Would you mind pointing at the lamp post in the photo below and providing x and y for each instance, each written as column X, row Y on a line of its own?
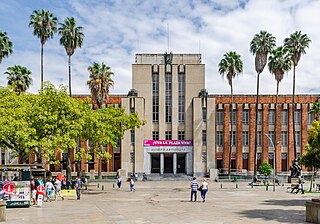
column 274, row 162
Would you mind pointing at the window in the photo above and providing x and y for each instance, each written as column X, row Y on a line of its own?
column 233, row 117
column 310, row 118
column 271, row 117
column 245, row 138
column 219, row 138
column 284, row 117
column 232, row 138
column 298, row 140
column 168, row 99
column 132, row 136
column 181, row 80
column 168, row 135
column 284, row 138
column 220, row 116
column 155, row 98
column 181, row 135
column 204, row 115
column 245, row 116
column 204, row 137
column 259, row 138
column 271, row 135
column 297, row 117
column 155, row 135
column 259, row 117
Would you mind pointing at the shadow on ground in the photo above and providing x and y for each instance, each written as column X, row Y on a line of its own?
column 287, row 202
column 279, row 215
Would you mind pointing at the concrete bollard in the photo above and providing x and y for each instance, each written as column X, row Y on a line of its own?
column 98, row 185
column 221, row 186
column 267, row 187
column 3, row 205
column 236, row 185
column 113, row 185
column 102, row 187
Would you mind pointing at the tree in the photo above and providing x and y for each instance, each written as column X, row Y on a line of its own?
column 5, row 46
column 279, row 63
column 231, row 66
column 315, row 110
column 265, row 169
column 261, row 45
column 99, row 82
column 297, row 44
column 44, row 26
column 19, row 78
column 71, row 38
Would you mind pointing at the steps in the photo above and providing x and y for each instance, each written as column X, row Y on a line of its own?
column 168, row 177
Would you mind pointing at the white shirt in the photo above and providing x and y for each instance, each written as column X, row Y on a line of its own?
column 205, row 185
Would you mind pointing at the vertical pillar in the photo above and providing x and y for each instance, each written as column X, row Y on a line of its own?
column 265, row 130
column 174, row 163
column 226, row 133
column 239, row 137
column 304, row 127
column 252, row 136
column 290, row 136
column 161, row 163
column 277, row 143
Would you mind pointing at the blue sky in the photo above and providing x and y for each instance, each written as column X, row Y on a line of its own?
column 116, row 30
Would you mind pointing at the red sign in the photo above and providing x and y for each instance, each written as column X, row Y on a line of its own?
column 9, row 188
column 167, row 143
column 40, row 189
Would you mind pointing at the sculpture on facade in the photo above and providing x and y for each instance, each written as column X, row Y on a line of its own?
column 295, row 169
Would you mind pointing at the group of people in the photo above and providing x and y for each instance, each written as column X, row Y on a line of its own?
column 195, row 187
column 131, row 180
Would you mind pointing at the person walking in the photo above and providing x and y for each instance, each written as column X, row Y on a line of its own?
column 119, row 182
column 194, row 188
column 204, row 189
column 78, row 187
column 33, row 190
column 132, row 185
column 49, row 189
column 300, row 185
column 57, row 185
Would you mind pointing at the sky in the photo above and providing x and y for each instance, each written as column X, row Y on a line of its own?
column 116, row 30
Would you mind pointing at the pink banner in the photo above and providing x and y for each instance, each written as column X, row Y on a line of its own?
column 168, row 143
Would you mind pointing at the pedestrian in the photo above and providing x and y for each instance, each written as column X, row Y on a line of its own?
column 119, row 182
column 78, row 187
column 194, row 188
column 33, row 190
column 300, row 185
column 132, row 185
column 49, row 189
column 204, row 189
column 57, row 185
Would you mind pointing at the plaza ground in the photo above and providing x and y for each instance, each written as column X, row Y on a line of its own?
column 169, row 202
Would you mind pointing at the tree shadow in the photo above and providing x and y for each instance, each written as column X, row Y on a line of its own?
column 286, row 202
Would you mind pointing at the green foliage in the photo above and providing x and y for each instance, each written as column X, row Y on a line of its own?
column 265, row 169
column 5, row 46
column 230, row 65
column 280, row 62
column 18, row 78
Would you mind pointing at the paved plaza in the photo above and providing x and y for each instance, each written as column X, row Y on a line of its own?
column 169, row 202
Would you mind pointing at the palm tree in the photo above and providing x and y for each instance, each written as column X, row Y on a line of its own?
column 261, row 45
column 231, row 66
column 71, row 38
column 44, row 26
column 297, row 44
column 5, row 46
column 19, row 78
column 99, row 82
column 279, row 63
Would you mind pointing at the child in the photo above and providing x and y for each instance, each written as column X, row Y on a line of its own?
column 132, row 185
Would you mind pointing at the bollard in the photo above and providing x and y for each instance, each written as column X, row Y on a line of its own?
column 267, row 186
column 236, row 185
column 252, row 185
column 113, row 185
column 221, row 186
column 98, row 185
column 3, row 211
column 313, row 185
column 102, row 187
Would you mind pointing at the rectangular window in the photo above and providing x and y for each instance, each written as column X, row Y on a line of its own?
column 168, row 99
column 219, row 138
column 220, row 116
column 204, row 115
column 284, row 117
column 284, row 138
column 259, row 138
column 233, row 117
column 259, row 117
column 298, row 138
column 132, row 136
column 155, row 98
column 271, row 117
column 233, row 138
column 155, row 135
column 310, row 118
column 181, row 135
column 168, row 135
column 271, row 135
column 204, row 137
column 245, row 138
column 245, row 116
column 297, row 117
column 181, row 80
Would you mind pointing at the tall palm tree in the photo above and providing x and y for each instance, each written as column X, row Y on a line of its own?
column 297, row 44
column 19, row 78
column 44, row 26
column 261, row 45
column 99, row 82
column 279, row 63
column 230, row 65
column 71, row 38
column 5, row 46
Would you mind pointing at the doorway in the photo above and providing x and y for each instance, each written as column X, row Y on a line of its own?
column 181, row 163
column 168, row 163
column 155, row 163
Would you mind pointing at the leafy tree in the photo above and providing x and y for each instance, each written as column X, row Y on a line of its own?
column 71, row 38
column 265, row 169
column 19, row 78
column 231, row 66
column 297, row 44
column 99, row 82
column 315, row 110
column 261, row 45
column 44, row 26
column 5, row 45
column 279, row 63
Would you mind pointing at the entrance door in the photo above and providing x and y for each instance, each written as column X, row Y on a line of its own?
column 155, row 163
column 168, row 163
column 181, row 163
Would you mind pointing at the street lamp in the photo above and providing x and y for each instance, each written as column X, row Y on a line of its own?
column 274, row 162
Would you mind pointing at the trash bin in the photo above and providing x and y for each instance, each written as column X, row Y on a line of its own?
column 3, row 205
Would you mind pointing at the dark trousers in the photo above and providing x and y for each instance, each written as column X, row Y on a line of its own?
column 78, row 193
column 193, row 193
column 203, row 193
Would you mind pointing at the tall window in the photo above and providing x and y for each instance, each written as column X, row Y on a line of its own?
column 168, row 103
column 233, row 117
column 245, row 138
column 168, row 135
column 220, row 116
column 271, row 135
column 310, row 118
column 204, row 137
column 271, row 117
column 155, row 135
column 181, row 135
column 284, row 138
column 132, row 136
column 245, row 116
column 259, row 138
column 298, row 138
column 284, row 117
column 155, row 98
column 219, row 138
column 259, row 117
column 232, row 138
column 204, row 114
column 297, row 117
column 181, row 80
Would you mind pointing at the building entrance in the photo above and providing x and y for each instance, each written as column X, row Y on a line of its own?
column 155, row 163
column 181, row 163
column 168, row 163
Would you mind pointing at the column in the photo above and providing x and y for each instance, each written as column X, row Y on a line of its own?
column 161, row 163
column 174, row 163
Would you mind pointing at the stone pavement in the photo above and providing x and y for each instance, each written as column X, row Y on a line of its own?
column 168, row 202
